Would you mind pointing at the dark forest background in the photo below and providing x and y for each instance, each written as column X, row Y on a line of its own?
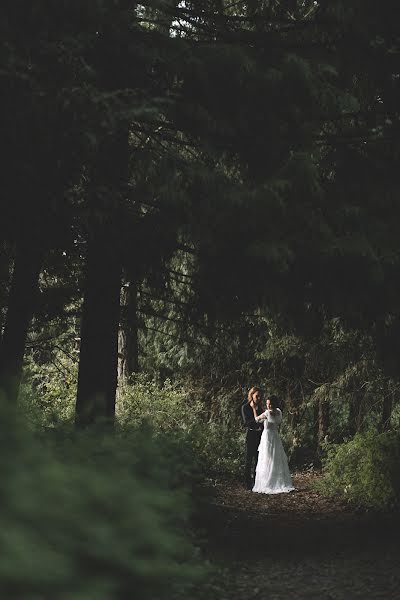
column 196, row 197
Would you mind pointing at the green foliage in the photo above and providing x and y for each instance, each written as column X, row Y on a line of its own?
column 219, row 449
column 216, row 439
column 48, row 391
column 364, row 471
column 172, row 411
column 166, row 406
column 93, row 515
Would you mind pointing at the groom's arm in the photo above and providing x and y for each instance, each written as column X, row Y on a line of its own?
column 247, row 415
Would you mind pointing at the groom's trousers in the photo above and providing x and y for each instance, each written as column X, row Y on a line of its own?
column 253, row 438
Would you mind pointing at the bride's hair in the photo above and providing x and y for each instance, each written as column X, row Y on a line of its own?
column 251, row 392
column 274, row 400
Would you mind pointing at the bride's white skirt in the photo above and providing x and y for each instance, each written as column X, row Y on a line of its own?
column 272, row 474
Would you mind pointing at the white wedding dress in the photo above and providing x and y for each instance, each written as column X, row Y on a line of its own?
column 272, row 473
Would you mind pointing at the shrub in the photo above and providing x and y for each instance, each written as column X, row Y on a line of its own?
column 93, row 516
column 167, row 406
column 217, row 443
column 168, row 409
column 364, row 471
column 48, row 391
column 219, row 450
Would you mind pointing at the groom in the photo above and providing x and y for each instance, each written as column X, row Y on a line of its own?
column 253, row 433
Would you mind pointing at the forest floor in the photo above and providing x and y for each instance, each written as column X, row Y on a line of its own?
column 295, row 546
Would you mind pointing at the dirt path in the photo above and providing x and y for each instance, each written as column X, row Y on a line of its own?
column 297, row 545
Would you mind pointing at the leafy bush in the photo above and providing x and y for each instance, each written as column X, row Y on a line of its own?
column 169, row 409
column 48, row 391
column 219, row 450
column 166, row 406
column 93, row 515
column 217, row 442
column 364, row 471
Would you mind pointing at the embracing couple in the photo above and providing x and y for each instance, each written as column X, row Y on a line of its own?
column 266, row 470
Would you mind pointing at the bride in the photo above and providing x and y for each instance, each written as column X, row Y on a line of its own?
column 272, row 473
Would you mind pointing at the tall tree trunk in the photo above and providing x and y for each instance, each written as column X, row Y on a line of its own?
column 98, row 362
column 97, row 378
column 128, row 340
column 21, row 306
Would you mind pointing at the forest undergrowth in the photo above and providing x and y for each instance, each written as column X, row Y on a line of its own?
column 163, row 493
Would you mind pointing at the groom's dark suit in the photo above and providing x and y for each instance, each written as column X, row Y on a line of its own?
column 253, row 436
